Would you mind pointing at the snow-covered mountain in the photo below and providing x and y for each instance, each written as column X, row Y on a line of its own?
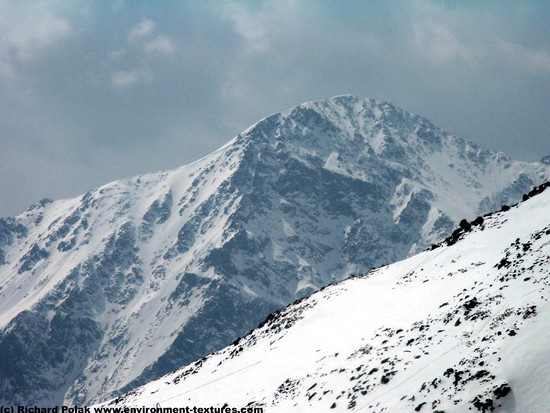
column 462, row 327
column 104, row 292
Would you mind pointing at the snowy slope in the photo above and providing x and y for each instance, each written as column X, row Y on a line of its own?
column 461, row 327
column 104, row 292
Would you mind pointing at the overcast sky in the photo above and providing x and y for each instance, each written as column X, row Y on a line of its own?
column 93, row 91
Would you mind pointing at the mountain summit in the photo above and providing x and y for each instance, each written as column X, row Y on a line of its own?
column 101, row 293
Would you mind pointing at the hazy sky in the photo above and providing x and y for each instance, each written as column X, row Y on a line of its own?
column 92, row 91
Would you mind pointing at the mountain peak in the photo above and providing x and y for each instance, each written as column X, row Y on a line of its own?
column 343, row 118
column 185, row 261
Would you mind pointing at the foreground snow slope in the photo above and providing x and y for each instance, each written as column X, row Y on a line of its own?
column 104, row 292
column 460, row 327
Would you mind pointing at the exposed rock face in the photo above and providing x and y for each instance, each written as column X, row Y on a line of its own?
column 103, row 292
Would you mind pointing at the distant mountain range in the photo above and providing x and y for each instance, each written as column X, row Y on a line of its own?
column 104, row 292
column 462, row 327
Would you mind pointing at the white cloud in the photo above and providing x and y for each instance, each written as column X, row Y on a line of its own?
column 126, row 78
column 257, row 25
column 250, row 27
column 117, row 54
column 25, row 33
column 6, row 69
column 439, row 44
column 525, row 59
column 140, row 39
column 141, row 30
column 160, row 44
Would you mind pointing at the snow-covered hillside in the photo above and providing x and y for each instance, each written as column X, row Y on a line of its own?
column 462, row 327
column 101, row 293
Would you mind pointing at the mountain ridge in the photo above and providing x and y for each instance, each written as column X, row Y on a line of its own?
column 158, row 270
column 473, row 339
